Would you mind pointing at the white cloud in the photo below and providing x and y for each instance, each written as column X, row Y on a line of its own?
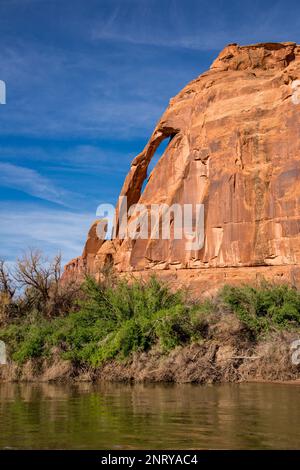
column 193, row 24
column 70, row 93
column 31, row 182
column 204, row 42
column 52, row 231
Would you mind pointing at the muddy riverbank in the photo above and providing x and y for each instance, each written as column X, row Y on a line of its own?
column 227, row 353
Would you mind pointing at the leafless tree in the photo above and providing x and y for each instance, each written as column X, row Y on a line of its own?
column 7, row 292
column 36, row 272
column 7, row 286
column 44, row 289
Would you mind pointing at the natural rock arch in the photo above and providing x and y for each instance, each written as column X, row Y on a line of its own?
column 235, row 150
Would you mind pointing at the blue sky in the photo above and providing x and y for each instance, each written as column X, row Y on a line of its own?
column 86, row 82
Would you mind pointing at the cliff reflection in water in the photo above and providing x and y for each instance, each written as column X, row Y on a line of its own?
column 113, row 416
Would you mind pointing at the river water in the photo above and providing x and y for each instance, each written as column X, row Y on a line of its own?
column 113, row 416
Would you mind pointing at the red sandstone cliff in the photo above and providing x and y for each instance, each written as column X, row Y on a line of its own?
column 235, row 147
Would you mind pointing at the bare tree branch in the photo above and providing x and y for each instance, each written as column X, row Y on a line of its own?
column 35, row 271
column 6, row 282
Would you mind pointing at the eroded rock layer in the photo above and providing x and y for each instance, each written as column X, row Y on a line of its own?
column 234, row 146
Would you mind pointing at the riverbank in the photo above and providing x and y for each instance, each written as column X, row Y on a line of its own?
column 144, row 331
column 227, row 353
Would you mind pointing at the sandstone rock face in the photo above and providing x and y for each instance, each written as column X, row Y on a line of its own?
column 234, row 146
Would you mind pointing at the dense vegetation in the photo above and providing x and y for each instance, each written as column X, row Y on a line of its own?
column 112, row 321
column 98, row 321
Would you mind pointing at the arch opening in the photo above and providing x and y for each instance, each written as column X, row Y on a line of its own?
column 159, row 152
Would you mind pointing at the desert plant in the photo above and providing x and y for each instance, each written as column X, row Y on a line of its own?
column 110, row 319
column 265, row 307
column 113, row 321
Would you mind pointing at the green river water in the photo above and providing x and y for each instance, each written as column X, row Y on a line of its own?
column 113, row 416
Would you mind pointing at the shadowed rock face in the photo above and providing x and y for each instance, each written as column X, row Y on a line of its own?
column 235, row 147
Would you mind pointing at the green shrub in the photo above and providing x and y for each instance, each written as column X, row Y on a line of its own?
column 265, row 307
column 116, row 319
column 26, row 341
column 113, row 322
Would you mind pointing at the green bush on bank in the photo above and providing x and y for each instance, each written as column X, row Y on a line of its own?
column 113, row 322
column 265, row 307
column 116, row 319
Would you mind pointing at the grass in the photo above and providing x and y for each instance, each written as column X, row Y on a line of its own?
column 112, row 322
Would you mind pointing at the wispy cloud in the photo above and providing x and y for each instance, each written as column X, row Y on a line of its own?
column 193, row 24
column 53, row 231
column 69, row 94
column 31, row 182
column 82, row 157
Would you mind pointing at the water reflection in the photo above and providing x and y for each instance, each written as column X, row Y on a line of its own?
column 86, row 416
